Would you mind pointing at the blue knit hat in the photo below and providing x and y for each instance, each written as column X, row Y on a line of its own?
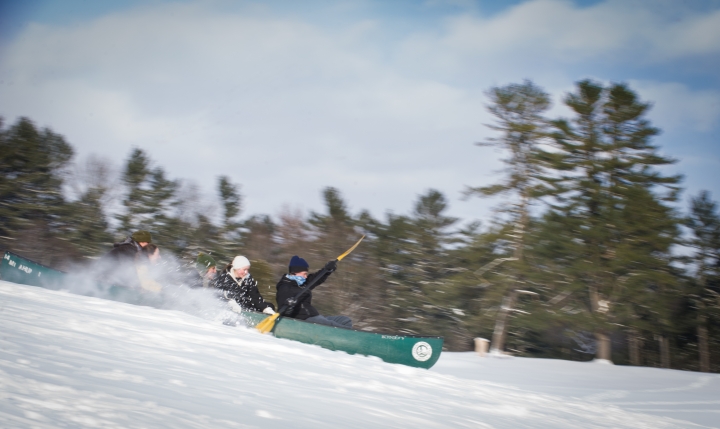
column 298, row 264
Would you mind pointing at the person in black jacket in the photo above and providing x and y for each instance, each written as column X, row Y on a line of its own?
column 128, row 249
column 290, row 286
column 118, row 266
column 241, row 288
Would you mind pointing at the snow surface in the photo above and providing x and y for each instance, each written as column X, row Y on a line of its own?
column 74, row 361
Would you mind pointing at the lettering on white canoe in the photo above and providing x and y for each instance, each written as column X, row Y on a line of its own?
column 421, row 351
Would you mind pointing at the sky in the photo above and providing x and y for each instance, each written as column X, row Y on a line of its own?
column 382, row 100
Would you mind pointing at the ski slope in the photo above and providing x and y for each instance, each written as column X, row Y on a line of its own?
column 73, row 361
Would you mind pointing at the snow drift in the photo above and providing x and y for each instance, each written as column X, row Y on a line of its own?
column 76, row 361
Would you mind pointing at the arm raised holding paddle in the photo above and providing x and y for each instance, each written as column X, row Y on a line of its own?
column 294, row 294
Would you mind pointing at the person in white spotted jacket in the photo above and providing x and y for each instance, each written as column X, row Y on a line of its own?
column 240, row 288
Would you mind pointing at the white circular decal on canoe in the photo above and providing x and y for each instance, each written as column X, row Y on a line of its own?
column 422, row 351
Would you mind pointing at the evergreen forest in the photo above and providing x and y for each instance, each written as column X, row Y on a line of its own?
column 591, row 253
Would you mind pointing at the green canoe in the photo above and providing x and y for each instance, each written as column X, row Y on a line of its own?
column 14, row 268
column 421, row 352
column 416, row 351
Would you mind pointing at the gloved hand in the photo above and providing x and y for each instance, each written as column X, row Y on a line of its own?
column 291, row 302
column 331, row 266
column 269, row 311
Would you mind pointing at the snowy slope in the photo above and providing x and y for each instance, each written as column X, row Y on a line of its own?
column 74, row 361
column 679, row 394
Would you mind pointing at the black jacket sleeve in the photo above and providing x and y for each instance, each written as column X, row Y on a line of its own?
column 320, row 281
column 125, row 251
column 251, row 296
column 244, row 292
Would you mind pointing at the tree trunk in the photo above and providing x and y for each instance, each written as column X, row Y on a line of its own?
column 635, row 343
column 500, row 332
column 603, row 340
column 594, row 299
column 664, row 351
column 521, row 226
column 703, row 344
column 603, row 346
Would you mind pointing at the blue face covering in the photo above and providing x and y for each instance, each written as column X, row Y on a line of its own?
column 299, row 279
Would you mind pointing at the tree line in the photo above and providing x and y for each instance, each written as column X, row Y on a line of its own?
column 588, row 255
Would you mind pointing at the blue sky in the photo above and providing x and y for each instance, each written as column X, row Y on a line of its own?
column 381, row 99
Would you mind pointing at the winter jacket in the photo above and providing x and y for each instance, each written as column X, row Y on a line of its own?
column 243, row 291
column 287, row 288
column 125, row 251
column 117, row 267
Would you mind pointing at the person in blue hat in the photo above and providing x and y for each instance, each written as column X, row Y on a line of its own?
column 292, row 283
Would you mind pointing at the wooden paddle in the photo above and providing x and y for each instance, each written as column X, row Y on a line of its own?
column 268, row 324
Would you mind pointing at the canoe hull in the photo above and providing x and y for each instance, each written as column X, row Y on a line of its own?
column 420, row 352
column 14, row 268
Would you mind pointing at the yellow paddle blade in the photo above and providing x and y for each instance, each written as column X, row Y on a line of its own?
column 340, row 258
column 266, row 325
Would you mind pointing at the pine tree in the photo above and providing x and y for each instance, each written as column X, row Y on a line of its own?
column 518, row 110
column 32, row 164
column 413, row 252
column 259, row 239
column 150, row 201
column 203, row 236
column 90, row 230
column 91, row 186
column 389, row 242
column 334, row 231
column 606, row 159
column 472, row 295
column 704, row 221
column 231, row 200
column 647, row 287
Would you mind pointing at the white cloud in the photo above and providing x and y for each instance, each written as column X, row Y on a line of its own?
column 676, row 106
column 283, row 107
column 696, row 36
column 540, row 33
column 286, row 107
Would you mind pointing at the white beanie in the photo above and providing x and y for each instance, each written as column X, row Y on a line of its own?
column 239, row 262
